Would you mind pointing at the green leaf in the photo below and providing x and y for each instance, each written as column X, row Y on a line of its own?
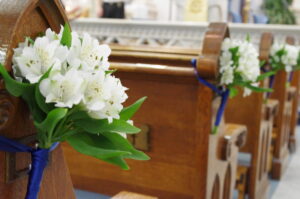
column 119, row 161
column 99, row 126
column 51, row 121
column 123, row 144
column 37, row 114
column 14, row 87
column 262, row 63
column 233, row 92
column 258, row 89
column 31, row 41
column 66, row 39
column 129, row 111
column 108, row 72
column 98, row 147
column 265, row 75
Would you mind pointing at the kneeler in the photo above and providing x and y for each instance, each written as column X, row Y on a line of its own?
column 18, row 19
column 187, row 161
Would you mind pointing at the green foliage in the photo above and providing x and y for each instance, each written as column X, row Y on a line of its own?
column 94, row 137
column 66, row 39
column 278, row 11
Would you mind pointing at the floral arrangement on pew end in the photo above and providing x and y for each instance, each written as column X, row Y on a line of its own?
column 239, row 67
column 285, row 57
column 73, row 96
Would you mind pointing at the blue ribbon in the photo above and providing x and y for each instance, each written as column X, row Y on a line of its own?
column 224, row 93
column 271, row 84
column 291, row 76
column 39, row 158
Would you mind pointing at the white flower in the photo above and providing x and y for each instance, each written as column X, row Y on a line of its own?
column 227, row 75
column 104, row 96
column 86, row 53
column 35, row 60
column 288, row 58
column 63, row 90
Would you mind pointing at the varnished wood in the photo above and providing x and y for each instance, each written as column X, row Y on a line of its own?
column 256, row 114
column 179, row 112
column 294, row 120
column 282, row 124
column 129, row 195
column 19, row 19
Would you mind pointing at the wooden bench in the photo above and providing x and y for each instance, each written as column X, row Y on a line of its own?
column 252, row 111
column 294, row 118
column 282, row 124
column 187, row 161
column 19, row 19
column 257, row 113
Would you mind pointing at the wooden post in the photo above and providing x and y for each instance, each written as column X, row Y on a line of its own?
column 19, row 19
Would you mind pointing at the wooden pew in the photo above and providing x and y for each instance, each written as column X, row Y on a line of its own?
column 282, row 124
column 19, row 19
column 187, row 161
column 252, row 111
column 294, row 120
column 257, row 113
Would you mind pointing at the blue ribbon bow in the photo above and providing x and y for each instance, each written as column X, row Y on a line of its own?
column 224, row 93
column 39, row 158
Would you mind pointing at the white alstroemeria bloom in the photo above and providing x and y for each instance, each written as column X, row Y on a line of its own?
column 248, row 66
column 97, row 91
column 86, row 53
column 51, row 35
column 63, row 90
column 227, row 44
column 35, row 60
column 113, row 104
column 227, row 74
column 289, row 59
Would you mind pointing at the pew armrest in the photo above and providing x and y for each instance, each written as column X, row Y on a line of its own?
column 291, row 92
column 129, row 195
column 272, row 108
column 235, row 135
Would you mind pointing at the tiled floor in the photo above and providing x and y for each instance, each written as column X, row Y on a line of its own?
column 288, row 187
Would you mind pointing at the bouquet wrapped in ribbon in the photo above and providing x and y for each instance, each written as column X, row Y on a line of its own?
column 239, row 67
column 73, row 96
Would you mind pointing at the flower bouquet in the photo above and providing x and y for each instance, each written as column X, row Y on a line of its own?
column 73, row 96
column 239, row 67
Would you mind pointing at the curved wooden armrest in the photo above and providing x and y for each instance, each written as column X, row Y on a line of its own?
column 129, row 195
column 237, row 133
column 234, row 135
column 272, row 108
column 153, row 69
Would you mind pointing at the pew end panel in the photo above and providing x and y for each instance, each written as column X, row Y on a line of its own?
column 19, row 19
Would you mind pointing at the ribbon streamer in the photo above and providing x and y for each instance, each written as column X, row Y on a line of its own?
column 224, row 93
column 39, row 158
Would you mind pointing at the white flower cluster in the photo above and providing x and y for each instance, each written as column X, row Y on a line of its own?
column 247, row 64
column 79, row 74
column 288, row 58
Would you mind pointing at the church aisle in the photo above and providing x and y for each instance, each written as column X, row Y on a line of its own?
column 288, row 187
